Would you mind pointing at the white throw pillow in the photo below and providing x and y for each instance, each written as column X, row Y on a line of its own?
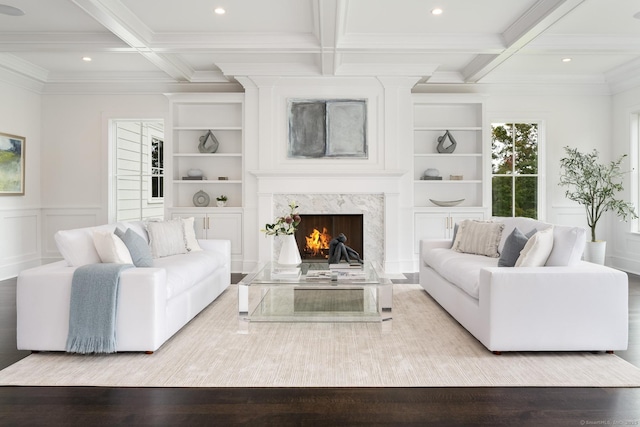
column 478, row 237
column 166, row 238
column 111, row 248
column 537, row 249
column 190, row 235
column 77, row 247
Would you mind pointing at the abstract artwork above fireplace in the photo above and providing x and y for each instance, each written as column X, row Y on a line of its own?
column 330, row 128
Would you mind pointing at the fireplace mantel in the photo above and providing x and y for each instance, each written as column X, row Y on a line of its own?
column 333, row 173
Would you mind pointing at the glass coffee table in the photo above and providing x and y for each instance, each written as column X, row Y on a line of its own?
column 274, row 293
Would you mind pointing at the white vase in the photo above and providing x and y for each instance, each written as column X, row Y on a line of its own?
column 289, row 253
column 221, row 203
column 595, row 252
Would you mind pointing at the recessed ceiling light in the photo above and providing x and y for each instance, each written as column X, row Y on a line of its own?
column 566, row 59
column 86, row 58
column 219, row 11
column 436, row 11
column 10, row 10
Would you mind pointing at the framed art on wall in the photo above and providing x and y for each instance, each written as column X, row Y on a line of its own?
column 12, row 153
column 334, row 128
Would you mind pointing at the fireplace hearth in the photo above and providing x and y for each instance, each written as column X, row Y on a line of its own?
column 315, row 232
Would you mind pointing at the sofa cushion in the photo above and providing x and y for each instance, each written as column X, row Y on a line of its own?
column 190, row 234
column 166, row 238
column 537, row 249
column 462, row 270
column 568, row 241
column 137, row 246
column 568, row 245
column 77, row 247
column 111, row 248
column 185, row 270
column 513, row 245
column 478, row 237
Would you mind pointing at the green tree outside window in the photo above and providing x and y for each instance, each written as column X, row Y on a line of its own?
column 514, row 164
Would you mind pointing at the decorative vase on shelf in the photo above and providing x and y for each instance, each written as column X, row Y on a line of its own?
column 289, row 253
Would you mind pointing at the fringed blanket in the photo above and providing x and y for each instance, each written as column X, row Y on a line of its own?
column 94, row 304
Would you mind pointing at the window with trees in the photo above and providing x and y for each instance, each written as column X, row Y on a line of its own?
column 514, row 164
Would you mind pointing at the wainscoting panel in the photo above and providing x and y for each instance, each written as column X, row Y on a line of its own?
column 20, row 243
column 55, row 219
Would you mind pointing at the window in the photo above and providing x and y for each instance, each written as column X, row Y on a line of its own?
column 515, row 174
column 157, row 169
column 137, row 169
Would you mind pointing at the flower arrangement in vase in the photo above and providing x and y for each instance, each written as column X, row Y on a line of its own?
column 286, row 226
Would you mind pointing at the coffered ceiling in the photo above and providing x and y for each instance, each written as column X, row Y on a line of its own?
column 142, row 42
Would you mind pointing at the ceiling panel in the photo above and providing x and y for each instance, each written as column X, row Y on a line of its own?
column 48, row 16
column 414, row 16
column 244, row 16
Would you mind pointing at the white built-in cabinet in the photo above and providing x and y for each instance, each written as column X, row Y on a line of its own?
column 192, row 115
column 463, row 117
column 216, row 225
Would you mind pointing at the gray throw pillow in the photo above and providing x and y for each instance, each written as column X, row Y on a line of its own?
column 513, row 245
column 138, row 248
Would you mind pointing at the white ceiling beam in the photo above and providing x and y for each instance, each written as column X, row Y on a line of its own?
column 118, row 19
column 536, row 20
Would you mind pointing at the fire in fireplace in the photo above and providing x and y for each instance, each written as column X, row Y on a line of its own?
column 315, row 232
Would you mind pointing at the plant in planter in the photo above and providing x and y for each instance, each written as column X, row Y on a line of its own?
column 595, row 186
column 221, row 200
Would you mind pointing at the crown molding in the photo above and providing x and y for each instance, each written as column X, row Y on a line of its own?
column 22, row 67
column 624, row 77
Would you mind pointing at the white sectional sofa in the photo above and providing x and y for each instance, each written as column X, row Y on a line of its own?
column 154, row 302
column 564, row 305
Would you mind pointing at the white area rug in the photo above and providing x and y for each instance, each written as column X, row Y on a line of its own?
column 425, row 347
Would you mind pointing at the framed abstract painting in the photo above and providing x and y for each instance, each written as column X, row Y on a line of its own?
column 329, row 128
column 12, row 153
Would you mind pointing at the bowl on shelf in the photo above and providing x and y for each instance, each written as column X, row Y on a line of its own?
column 446, row 203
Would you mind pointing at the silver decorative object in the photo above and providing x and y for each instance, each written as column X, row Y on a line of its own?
column 208, row 143
column 201, row 199
column 448, row 148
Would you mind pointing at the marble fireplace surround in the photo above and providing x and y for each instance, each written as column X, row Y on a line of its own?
column 373, row 195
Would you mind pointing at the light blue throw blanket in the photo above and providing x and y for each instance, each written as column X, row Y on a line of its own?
column 94, row 304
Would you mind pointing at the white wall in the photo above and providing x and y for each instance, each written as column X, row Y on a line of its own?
column 20, row 114
column 623, row 247
column 74, row 153
column 69, row 134
column 577, row 121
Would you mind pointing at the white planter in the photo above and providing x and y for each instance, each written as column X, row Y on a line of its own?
column 289, row 254
column 595, row 252
column 221, row 203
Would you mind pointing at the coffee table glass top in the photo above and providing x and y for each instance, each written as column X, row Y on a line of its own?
column 266, row 296
column 273, row 273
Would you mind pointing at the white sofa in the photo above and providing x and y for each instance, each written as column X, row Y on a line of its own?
column 565, row 305
column 153, row 303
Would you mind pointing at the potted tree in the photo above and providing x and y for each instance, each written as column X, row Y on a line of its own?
column 594, row 185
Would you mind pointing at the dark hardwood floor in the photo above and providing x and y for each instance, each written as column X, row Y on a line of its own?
column 82, row 406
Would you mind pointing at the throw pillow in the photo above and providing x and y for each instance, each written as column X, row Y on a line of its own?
column 166, row 238
column 537, row 249
column 478, row 237
column 513, row 245
column 110, row 248
column 190, row 235
column 137, row 246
